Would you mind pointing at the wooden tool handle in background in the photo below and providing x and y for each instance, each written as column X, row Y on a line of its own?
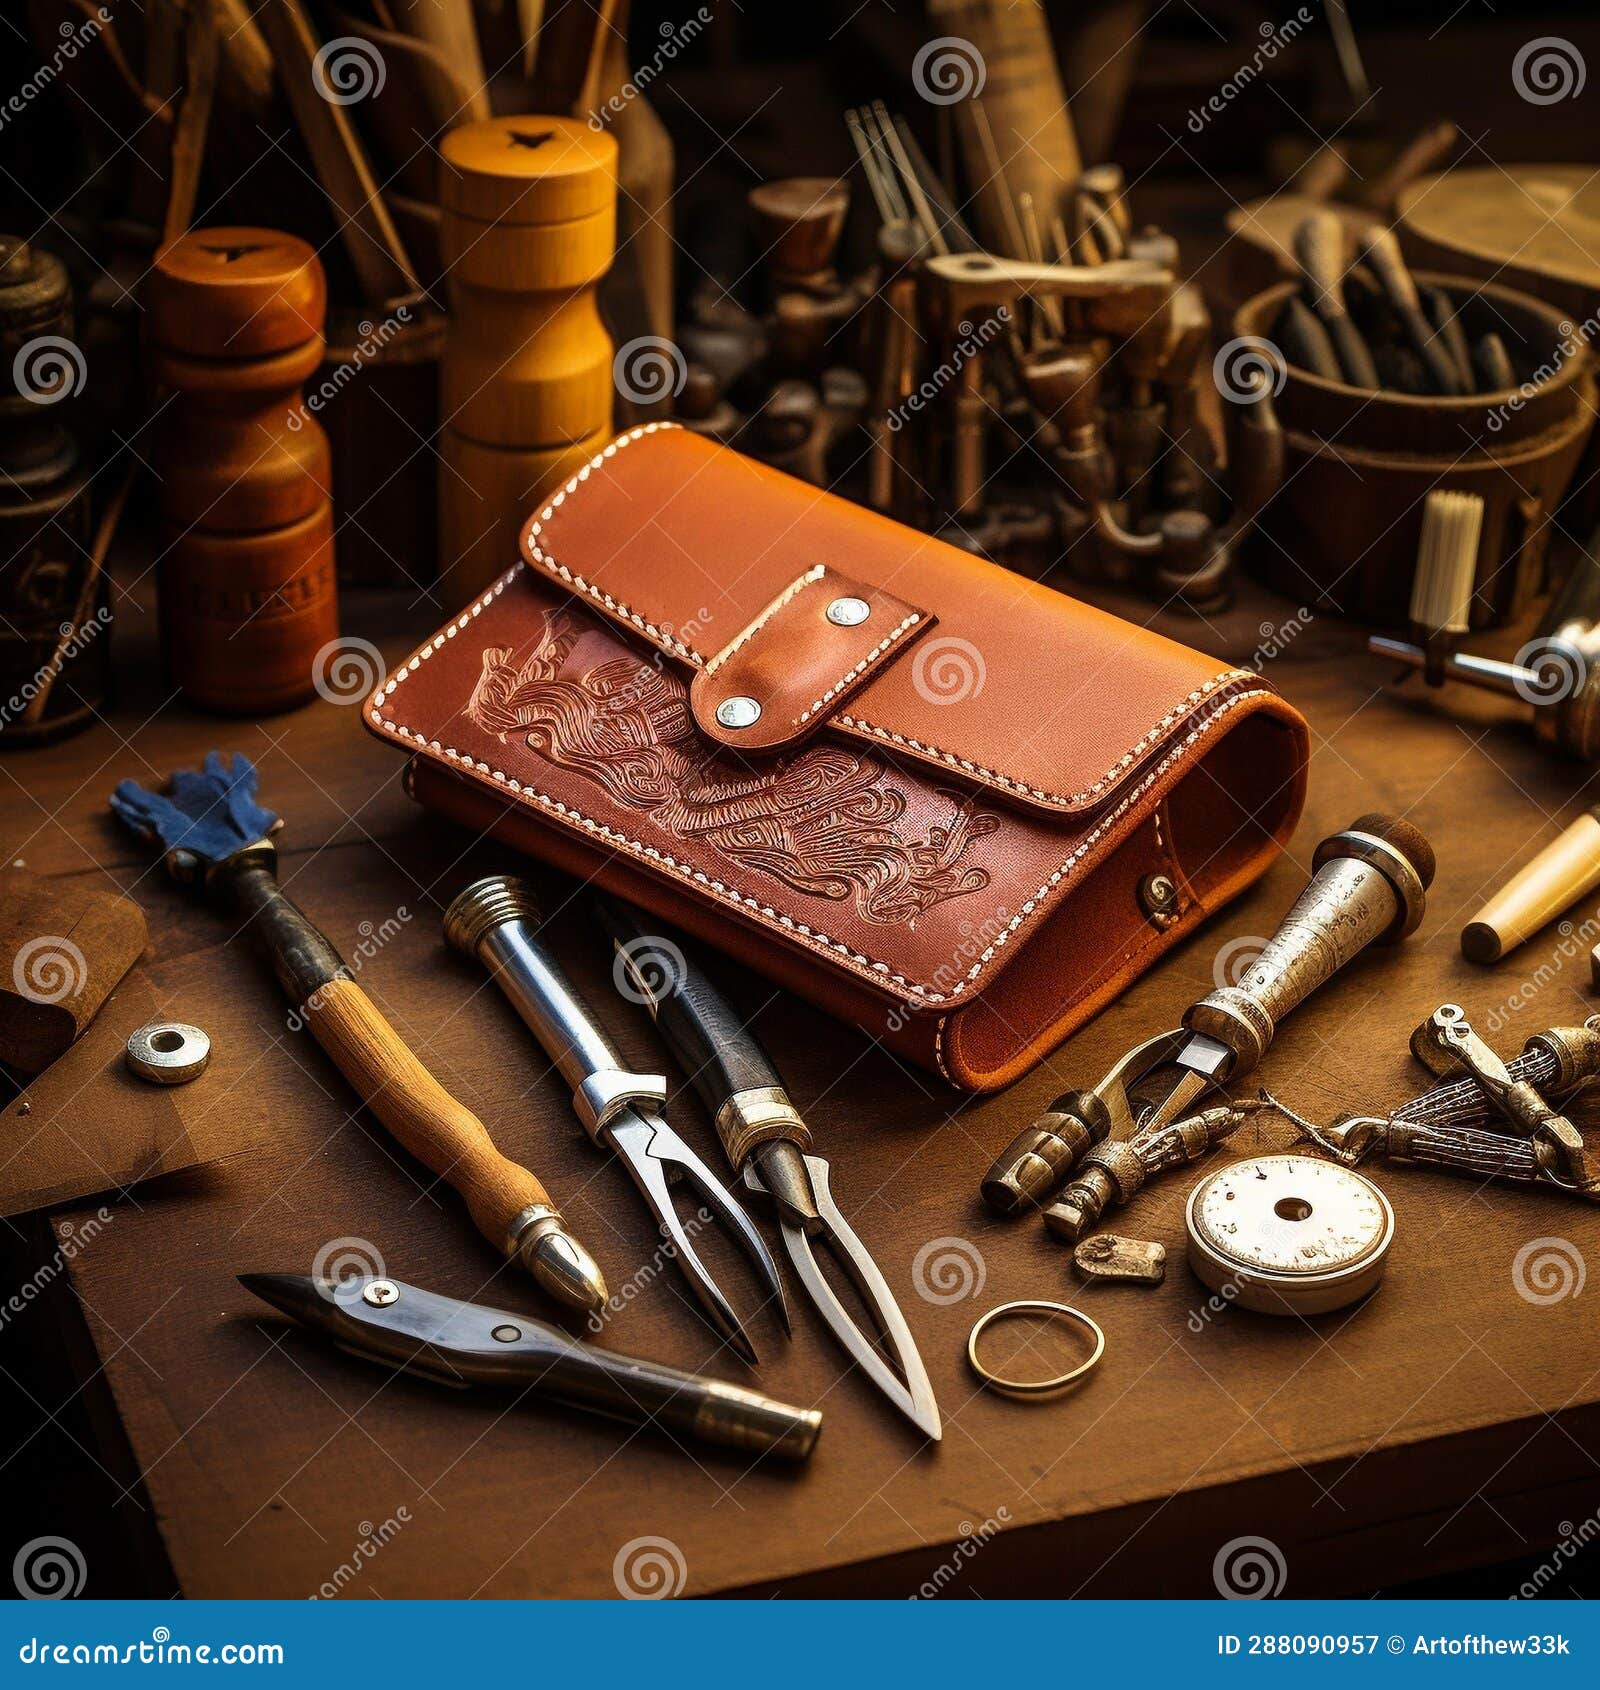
column 1566, row 870
column 440, row 1132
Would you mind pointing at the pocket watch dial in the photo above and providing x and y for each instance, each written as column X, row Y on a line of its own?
column 1290, row 1215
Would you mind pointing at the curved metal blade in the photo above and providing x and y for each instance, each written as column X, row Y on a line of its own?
column 651, row 1150
column 913, row 1396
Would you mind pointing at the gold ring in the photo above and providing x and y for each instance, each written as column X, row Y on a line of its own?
column 1031, row 1389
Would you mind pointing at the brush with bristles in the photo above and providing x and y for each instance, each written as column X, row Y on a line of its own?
column 1447, row 569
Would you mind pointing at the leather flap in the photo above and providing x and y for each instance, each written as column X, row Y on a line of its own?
column 801, row 661
column 1018, row 689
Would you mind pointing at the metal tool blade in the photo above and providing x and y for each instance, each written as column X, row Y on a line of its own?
column 913, row 1396
column 651, row 1151
column 1199, row 1066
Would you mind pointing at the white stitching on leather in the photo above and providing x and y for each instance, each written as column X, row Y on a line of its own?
column 911, row 620
column 792, row 591
column 858, row 724
column 878, row 972
column 979, row 772
column 577, row 582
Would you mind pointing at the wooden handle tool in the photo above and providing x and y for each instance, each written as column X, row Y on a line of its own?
column 204, row 823
column 1566, row 870
column 370, row 238
column 1319, row 251
column 1382, row 251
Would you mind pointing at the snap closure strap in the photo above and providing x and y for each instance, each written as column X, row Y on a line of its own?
column 819, row 641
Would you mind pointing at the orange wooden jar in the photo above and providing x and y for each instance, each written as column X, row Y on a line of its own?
column 248, row 594
column 528, row 228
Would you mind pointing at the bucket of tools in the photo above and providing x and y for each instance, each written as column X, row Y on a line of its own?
column 1343, row 530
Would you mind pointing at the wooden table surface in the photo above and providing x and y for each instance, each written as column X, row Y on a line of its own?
column 1448, row 1422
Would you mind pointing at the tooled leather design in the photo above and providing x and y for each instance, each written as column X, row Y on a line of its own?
column 823, row 821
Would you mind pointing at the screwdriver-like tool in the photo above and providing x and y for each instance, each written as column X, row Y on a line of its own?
column 497, row 920
column 1368, row 886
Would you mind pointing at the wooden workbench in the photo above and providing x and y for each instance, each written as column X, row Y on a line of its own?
column 1447, row 1423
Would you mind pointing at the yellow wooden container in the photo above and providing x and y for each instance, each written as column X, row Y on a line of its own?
column 528, row 228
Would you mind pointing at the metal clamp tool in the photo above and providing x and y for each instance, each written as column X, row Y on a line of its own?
column 1449, row 1127
column 496, row 920
column 1368, row 886
column 770, row 1146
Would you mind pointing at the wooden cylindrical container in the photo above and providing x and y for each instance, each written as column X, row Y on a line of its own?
column 529, row 227
column 1341, row 534
column 248, row 593
column 55, row 634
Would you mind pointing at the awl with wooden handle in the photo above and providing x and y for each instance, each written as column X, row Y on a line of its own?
column 218, row 839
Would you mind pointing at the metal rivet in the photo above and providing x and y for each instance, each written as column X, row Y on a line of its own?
column 380, row 1293
column 1158, row 895
column 738, row 712
column 847, row 613
column 507, row 1334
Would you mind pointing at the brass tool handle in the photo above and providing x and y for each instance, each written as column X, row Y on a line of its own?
column 441, row 1132
column 1369, row 886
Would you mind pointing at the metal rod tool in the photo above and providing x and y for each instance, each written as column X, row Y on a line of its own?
column 1368, row 886
column 769, row 1144
column 497, row 920
column 456, row 1343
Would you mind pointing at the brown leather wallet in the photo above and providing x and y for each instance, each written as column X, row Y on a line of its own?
column 923, row 792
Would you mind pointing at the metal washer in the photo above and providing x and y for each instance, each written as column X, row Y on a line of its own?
column 168, row 1052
